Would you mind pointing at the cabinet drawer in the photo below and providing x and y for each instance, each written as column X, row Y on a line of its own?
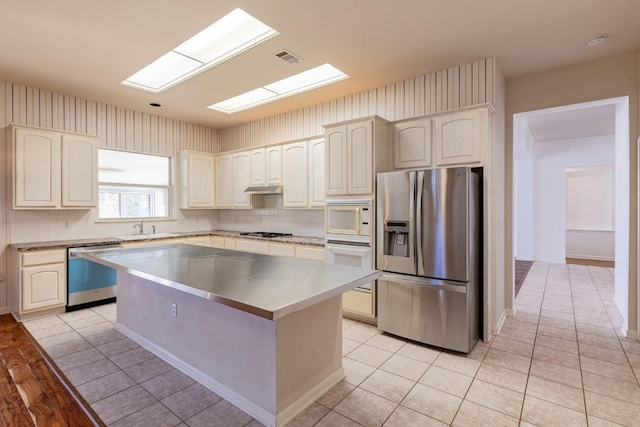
column 217, row 242
column 357, row 302
column 43, row 257
column 310, row 253
column 280, row 249
column 252, row 246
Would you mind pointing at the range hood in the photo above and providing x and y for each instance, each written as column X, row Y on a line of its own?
column 264, row 189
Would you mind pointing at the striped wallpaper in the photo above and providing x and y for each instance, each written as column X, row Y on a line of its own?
column 460, row 86
column 117, row 127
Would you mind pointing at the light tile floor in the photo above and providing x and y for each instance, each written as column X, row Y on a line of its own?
column 559, row 361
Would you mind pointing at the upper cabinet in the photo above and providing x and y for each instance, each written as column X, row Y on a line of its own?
column 273, row 164
column 266, row 165
column 295, row 175
column 303, row 174
column 412, row 144
column 223, row 181
column 196, row 180
column 240, row 179
column 52, row 170
column 460, row 137
column 258, row 163
column 355, row 152
column 315, row 173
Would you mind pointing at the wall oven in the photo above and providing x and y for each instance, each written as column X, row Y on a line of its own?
column 349, row 234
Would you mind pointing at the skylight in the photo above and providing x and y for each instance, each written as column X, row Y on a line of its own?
column 230, row 35
column 302, row 82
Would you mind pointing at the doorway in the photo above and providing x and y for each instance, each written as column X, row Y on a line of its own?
column 545, row 144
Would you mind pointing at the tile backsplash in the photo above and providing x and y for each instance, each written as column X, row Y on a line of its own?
column 274, row 218
column 47, row 225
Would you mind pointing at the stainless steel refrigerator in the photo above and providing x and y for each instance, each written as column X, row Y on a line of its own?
column 428, row 245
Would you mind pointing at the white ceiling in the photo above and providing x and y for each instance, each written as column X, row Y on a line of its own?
column 86, row 48
column 572, row 124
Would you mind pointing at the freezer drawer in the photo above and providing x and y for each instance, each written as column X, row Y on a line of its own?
column 439, row 313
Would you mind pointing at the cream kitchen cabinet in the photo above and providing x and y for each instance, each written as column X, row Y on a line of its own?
column 412, row 145
column 253, row 246
column 199, row 240
column 282, row 249
column 154, row 242
column 197, row 177
column 460, row 137
column 311, row 253
column 295, row 179
column 355, row 152
column 223, row 181
column 51, row 169
column 266, row 165
column 316, row 169
column 303, row 174
column 222, row 242
column 39, row 282
column 240, row 179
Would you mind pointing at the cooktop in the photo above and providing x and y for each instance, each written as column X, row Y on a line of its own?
column 266, row 234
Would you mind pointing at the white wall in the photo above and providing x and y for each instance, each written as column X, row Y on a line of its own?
column 543, row 216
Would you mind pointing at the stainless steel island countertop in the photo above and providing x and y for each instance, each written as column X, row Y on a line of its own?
column 263, row 285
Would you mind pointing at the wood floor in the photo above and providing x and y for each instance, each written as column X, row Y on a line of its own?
column 31, row 392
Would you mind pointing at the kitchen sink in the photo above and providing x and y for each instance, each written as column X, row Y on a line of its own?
column 147, row 236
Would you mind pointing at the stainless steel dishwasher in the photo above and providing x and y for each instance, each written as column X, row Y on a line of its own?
column 89, row 283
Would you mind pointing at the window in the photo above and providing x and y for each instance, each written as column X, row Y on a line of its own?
column 133, row 185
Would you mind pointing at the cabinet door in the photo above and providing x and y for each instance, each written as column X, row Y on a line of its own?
column 274, row 165
column 412, row 144
column 316, row 173
column 360, row 155
column 223, row 181
column 336, row 161
column 258, row 170
column 241, row 179
column 79, row 171
column 37, row 169
column 295, row 175
column 198, row 180
column 44, row 286
column 460, row 137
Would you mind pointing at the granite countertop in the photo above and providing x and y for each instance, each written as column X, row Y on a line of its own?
column 269, row 287
column 63, row 244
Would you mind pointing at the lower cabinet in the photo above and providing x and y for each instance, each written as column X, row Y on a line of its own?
column 311, row 253
column 154, row 242
column 359, row 305
column 41, row 282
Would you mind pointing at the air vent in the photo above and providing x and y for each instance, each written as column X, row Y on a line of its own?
column 288, row 56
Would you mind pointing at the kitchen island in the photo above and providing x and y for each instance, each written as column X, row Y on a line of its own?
column 263, row 332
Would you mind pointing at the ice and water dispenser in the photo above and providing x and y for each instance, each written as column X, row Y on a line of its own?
column 396, row 238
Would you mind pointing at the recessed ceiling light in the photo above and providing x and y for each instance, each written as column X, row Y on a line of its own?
column 301, row 82
column 230, row 35
column 594, row 41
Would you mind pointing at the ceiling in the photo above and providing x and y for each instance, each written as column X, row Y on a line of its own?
column 573, row 124
column 85, row 48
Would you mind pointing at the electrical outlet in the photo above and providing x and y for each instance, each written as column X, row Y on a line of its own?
column 174, row 309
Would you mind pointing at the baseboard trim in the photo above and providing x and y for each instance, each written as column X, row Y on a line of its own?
column 223, row 391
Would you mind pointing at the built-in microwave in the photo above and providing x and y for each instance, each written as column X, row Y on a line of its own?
column 349, row 219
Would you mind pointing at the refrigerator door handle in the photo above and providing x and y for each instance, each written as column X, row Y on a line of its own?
column 417, row 185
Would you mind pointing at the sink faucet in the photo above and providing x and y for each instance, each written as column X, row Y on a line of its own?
column 141, row 226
